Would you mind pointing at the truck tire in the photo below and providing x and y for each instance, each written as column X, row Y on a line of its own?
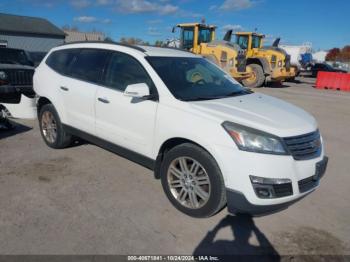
column 257, row 79
column 51, row 128
column 192, row 181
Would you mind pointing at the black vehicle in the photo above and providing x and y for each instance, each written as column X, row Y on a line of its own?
column 36, row 57
column 323, row 67
column 16, row 75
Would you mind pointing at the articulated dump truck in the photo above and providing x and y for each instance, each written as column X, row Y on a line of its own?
column 265, row 63
column 199, row 38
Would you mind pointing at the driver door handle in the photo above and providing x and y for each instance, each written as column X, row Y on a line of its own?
column 103, row 100
column 64, row 88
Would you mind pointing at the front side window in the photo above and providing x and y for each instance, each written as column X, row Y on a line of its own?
column 89, row 64
column 191, row 79
column 256, row 41
column 242, row 41
column 187, row 38
column 124, row 70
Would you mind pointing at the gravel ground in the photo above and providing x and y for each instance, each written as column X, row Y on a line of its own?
column 86, row 200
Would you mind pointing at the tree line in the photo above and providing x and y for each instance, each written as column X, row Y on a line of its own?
column 138, row 41
column 339, row 54
column 123, row 40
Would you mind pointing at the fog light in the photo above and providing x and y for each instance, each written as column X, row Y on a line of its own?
column 271, row 187
column 263, row 192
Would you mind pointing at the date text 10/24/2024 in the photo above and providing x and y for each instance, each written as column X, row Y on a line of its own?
column 173, row 258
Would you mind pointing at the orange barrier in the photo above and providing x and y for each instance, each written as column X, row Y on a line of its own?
column 333, row 80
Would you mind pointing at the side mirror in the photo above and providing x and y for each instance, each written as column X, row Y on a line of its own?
column 140, row 90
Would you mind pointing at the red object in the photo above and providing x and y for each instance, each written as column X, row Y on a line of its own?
column 333, row 80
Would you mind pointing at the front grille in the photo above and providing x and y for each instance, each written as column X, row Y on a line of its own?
column 287, row 62
column 307, row 184
column 304, row 147
column 18, row 77
column 241, row 63
column 282, row 190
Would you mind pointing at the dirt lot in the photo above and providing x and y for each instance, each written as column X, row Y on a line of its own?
column 86, row 200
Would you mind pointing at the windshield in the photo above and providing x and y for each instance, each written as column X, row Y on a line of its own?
column 192, row 79
column 327, row 66
column 204, row 35
column 13, row 56
column 256, row 41
column 242, row 41
column 187, row 38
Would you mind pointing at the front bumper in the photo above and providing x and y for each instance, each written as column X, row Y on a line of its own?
column 281, row 74
column 237, row 203
column 12, row 94
column 239, row 76
column 21, row 89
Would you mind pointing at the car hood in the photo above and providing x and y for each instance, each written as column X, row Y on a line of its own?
column 15, row 66
column 261, row 112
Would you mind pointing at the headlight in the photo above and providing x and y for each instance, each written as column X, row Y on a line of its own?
column 280, row 63
column 3, row 75
column 273, row 61
column 249, row 139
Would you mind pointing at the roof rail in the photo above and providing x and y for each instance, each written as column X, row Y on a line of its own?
column 173, row 48
column 106, row 42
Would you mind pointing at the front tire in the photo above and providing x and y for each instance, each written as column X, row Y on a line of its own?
column 192, row 181
column 257, row 78
column 51, row 128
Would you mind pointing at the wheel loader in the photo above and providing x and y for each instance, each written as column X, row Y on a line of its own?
column 199, row 38
column 265, row 63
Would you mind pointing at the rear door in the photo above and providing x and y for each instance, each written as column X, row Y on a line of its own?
column 79, row 88
column 123, row 120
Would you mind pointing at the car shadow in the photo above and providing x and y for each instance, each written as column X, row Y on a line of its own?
column 242, row 227
column 10, row 128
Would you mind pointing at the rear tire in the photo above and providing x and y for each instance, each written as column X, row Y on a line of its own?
column 201, row 182
column 51, row 128
column 257, row 79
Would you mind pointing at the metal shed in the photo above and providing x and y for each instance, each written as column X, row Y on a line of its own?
column 33, row 34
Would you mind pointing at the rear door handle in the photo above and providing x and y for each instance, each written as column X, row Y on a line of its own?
column 103, row 100
column 64, row 88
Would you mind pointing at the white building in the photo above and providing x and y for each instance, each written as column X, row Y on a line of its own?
column 320, row 56
column 75, row 36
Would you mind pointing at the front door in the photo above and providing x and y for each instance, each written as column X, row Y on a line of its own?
column 122, row 120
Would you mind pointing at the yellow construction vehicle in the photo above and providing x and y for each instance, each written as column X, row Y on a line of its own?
column 265, row 63
column 199, row 38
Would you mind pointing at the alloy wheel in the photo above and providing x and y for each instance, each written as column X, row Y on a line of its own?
column 189, row 182
column 49, row 127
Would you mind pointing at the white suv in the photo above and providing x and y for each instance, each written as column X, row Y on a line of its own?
column 210, row 141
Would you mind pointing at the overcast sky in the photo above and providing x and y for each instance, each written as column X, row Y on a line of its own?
column 324, row 23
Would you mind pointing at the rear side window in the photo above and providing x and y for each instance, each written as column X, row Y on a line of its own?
column 124, row 70
column 61, row 59
column 89, row 64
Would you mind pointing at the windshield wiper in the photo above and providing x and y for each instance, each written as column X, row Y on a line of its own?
column 232, row 94
column 241, row 92
column 202, row 98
